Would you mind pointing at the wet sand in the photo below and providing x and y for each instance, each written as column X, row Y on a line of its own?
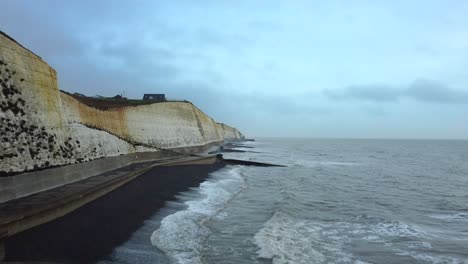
column 91, row 232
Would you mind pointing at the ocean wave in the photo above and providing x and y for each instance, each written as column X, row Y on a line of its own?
column 433, row 259
column 181, row 235
column 397, row 229
column 284, row 239
column 451, row 217
column 314, row 163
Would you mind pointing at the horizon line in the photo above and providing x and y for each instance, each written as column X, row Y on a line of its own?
column 355, row 138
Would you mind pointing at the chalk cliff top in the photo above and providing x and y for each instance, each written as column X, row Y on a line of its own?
column 42, row 127
column 12, row 39
column 109, row 102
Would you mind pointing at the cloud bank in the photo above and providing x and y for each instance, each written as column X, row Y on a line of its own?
column 262, row 66
column 424, row 90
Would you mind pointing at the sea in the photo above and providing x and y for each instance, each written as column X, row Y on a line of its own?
column 336, row 201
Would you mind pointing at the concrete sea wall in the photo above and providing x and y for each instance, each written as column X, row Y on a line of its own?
column 42, row 127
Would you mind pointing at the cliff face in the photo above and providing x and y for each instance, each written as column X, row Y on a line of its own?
column 160, row 125
column 42, row 127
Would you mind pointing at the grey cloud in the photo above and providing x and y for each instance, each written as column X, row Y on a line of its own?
column 208, row 39
column 280, row 105
column 424, row 90
column 226, row 102
column 434, row 91
column 110, row 46
column 376, row 92
column 42, row 35
column 138, row 58
column 375, row 110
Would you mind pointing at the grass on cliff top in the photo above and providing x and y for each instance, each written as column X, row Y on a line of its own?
column 105, row 103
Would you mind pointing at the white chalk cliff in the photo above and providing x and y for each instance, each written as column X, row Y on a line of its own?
column 41, row 126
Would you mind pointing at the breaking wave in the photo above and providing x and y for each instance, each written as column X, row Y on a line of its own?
column 181, row 235
column 285, row 239
column 451, row 217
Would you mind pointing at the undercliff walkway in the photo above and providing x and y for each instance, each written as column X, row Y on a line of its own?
column 27, row 212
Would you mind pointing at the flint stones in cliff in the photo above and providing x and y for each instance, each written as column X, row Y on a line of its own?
column 30, row 115
column 18, row 117
column 34, row 133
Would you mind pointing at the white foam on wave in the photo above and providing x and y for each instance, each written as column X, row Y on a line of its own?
column 434, row 259
column 451, row 217
column 397, row 229
column 248, row 149
column 406, row 240
column 284, row 239
column 181, row 235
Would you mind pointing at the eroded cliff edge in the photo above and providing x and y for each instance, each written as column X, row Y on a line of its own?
column 41, row 127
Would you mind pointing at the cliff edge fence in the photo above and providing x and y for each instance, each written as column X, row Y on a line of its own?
column 42, row 127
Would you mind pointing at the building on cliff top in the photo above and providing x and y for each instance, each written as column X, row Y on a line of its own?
column 154, row 97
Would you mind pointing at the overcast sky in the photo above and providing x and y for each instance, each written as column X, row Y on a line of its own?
column 365, row 69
